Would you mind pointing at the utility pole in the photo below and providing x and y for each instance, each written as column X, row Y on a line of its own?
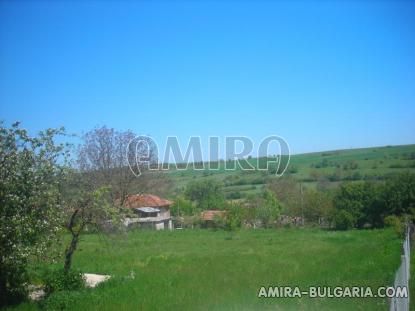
column 302, row 203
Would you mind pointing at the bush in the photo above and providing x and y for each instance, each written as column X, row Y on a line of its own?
column 234, row 195
column 15, row 291
column 396, row 165
column 219, row 221
column 182, row 207
column 336, row 176
column 61, row 300
column 397, row 223
column 259, row 181
column 343, row 220
column 60, row 280
column 293, row 170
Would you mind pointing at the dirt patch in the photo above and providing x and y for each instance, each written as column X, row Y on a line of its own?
column 93, row 280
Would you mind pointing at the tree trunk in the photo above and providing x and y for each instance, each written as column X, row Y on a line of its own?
column 74, row 242
column 69, row 252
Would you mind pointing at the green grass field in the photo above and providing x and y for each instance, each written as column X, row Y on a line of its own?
column 219, row 270
column 335, row 166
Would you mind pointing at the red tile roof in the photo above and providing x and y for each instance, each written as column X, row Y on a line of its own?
column 145, row 200
column 210, row 215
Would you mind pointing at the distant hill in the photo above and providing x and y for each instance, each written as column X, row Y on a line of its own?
column 329, row 167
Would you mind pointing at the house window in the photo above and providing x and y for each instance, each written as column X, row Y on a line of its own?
column 146, row 215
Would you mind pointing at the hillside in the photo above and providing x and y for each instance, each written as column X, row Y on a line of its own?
column 326, row 167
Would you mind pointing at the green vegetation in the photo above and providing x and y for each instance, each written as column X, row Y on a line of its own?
column 30, row 209
column 41, row 194
column 368, row 203
column 219, row 270
column 207, row 194
column 356, row 204
column 314, row 170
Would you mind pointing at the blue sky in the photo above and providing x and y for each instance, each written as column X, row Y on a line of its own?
column 322, row 74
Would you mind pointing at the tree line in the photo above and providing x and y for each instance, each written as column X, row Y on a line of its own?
column 286, row 202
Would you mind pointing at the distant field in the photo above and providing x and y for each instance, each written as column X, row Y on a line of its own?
column 331, row 166
column 219, row 270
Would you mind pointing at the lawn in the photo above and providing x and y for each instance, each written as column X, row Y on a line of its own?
column 219, row 270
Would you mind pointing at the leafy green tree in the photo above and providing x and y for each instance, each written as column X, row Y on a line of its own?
column 317, row 206
column 266, row 207
column 343, row 220
column 287, row 191
column 372, row 203
column 85, row 211
column 362, row 201
column 236, row 214
column 182, row 207
column 31, row 174
column 398, row 223
column 400, row 194
column 208, row 194
column 350, row 202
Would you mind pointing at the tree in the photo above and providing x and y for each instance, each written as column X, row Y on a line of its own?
column 317, row 206
column 343, row 220
column 208, row 194
column 236, row 215
column 371, row 203
column 182, row 207
column 87, row 210
column 31, row 174
column 266, row 207
column 362, row 201
column 104, row 158
column 270, row 209
column 288, row 193
column 399, row 194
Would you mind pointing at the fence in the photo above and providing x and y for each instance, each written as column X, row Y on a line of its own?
column 402, row 276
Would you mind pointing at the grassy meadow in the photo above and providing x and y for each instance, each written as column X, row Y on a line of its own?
column 220, row 270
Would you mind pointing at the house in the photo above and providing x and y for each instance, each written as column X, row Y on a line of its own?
column 208, row 217
column 150, row 210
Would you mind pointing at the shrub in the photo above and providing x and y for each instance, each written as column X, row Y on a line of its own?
column 60, row 280
column 15, row 291
column 397, row 223
column 336, row 176
column 259, row 181
column 219, row 222
column 181, row 207
column 350, row 165
column 293, row 170
column 396, row 165
column 234, row 195
column 61, row 300
column 186, row 221
column 343, row 220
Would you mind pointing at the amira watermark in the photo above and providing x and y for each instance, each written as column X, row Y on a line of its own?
column 142, row 153
column 333, row 292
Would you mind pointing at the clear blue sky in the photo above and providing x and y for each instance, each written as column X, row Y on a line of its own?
column 324, row 75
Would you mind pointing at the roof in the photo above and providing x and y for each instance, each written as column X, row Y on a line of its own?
column 148, row 209
column 145, row 200
column 210, row 215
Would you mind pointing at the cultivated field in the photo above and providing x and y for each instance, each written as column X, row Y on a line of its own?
column 220, row 270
